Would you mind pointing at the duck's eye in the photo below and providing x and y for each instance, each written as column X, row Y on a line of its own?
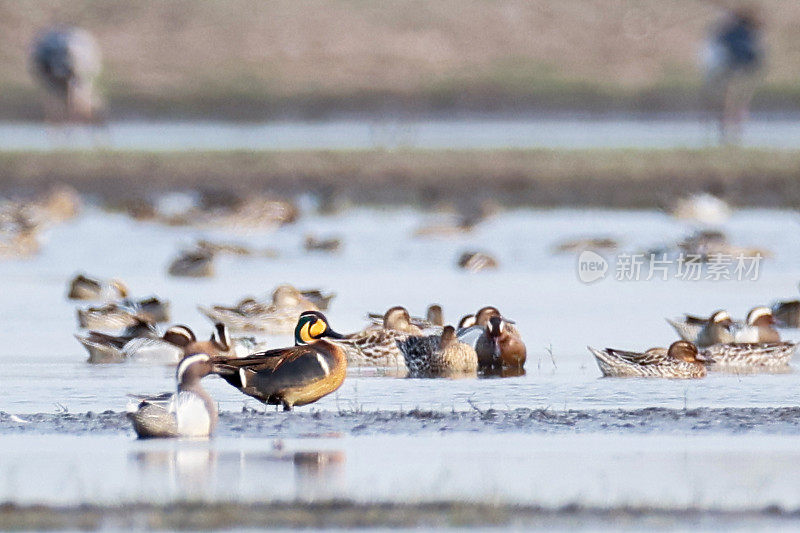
column 318, row 328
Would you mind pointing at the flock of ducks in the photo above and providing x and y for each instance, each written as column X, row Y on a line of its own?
column 714, row 343
column 315, row 366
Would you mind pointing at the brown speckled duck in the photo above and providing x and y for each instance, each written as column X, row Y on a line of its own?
column 680, row 361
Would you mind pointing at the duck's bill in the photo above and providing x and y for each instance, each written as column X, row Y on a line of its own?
column 509, row 321
column 333, row 335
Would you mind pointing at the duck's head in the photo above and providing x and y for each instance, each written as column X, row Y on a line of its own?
column 179, row 335
column 484, row 314
column 192, row 369
column 760, row 316
column 311, row 327
column 496, row 326
column 685, row 351
column 434, row 315
column 721, row 318
column 466, row 321
column 221, row 337
column 286, row 295
column 448, row 336
column 396, row 318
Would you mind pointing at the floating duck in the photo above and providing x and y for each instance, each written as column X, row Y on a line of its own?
column 588, row 243
column 743, row 356
column 499, row 346
column 316, row 244
column 717, row 329
column 302, row 374
column 197, row 263
column 477, row 261
column 189, row 413
column 276, row 318
column 438, row 355
column 83, row 287
column 377, row 346
column 787, row 313
column 680, row 361
column 116, row 316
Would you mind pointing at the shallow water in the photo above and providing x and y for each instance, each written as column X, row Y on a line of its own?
column 466, row 134
column 663, row 472
column 382, row 265
column 671, row 465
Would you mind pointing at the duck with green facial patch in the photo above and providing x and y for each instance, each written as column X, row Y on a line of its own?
column 314, row 367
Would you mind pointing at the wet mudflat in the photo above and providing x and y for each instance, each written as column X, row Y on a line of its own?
column 268, row 423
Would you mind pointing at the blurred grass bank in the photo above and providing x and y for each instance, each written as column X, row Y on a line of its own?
column 536, row 178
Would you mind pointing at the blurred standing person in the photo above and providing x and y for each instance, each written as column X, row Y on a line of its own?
column 733, row 58
column 66, row 61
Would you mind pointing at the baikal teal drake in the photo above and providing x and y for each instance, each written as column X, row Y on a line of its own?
column 314, row 367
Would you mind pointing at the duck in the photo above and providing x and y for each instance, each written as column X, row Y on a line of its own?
column 762, row 355
column 719, row 328
column 312, row 243
column 477, row 261
column 113, row 316
column 84, row 287
column 105, row 348
column 153, row 309
column 759, row 327
column 118, row 315
column 499, row 347
column 680, row 361
column 442, row 355
column 188, row 413
column 299, row 375
column 179, row 341
column 169, row 348
column 276, row 318
column 377, row 345
column 588, row 243
column 787, row 313
column 398, row 318
column 196, row 263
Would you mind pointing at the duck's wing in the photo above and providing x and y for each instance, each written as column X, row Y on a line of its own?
column 162, row 399
column 96, row 337
column 416, row 348
column 267, row 373
column 653, row 356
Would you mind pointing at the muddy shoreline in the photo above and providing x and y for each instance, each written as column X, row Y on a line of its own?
column 424, row 178
column 339, row 514
column 268, row 423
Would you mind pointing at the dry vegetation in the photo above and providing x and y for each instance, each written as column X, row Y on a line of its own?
column 614, row 178
column 246, row 57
